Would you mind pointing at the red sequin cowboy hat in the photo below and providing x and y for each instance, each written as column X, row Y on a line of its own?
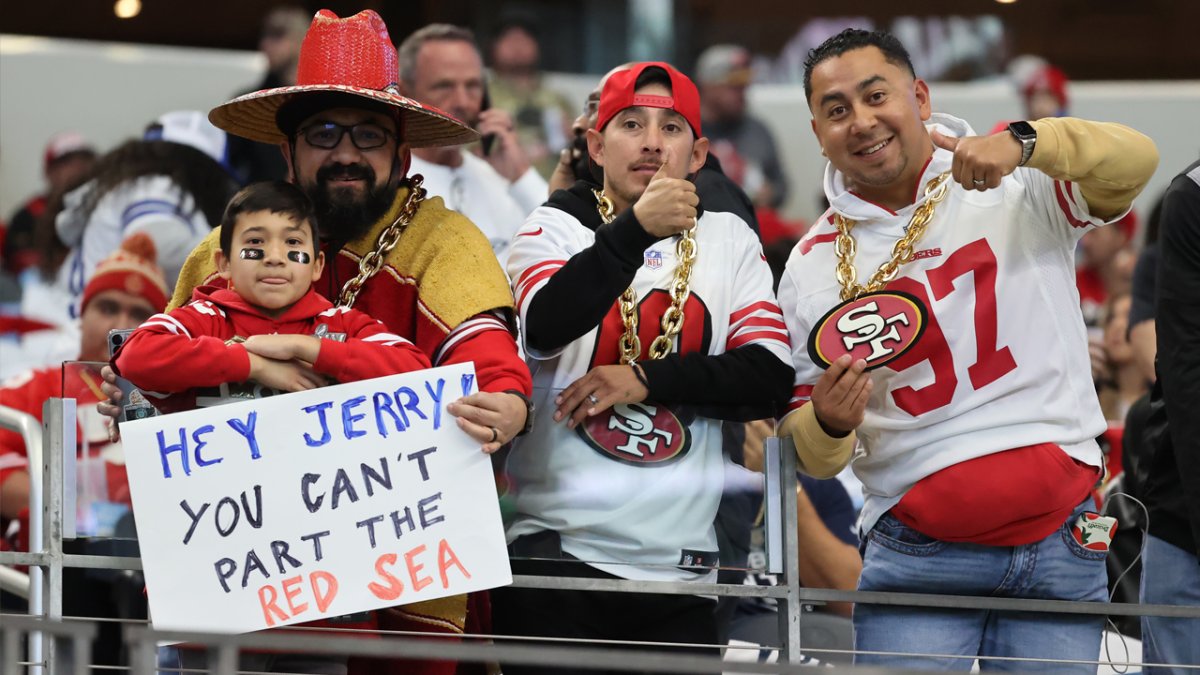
column 352, row 56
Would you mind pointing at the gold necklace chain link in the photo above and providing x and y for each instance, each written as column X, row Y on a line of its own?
column 372, row 262
column 902, row 252
column 672, row 320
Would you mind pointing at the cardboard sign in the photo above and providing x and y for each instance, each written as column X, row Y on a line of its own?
column 313, row 505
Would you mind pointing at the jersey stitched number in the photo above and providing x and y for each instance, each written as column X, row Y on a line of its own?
column 695, row 335
column 991, row 363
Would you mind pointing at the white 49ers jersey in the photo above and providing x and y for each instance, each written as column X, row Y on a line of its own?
column 634, row 491
column 1003, row 362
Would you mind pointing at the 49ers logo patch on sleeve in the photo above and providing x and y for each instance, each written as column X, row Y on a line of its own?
column 642, row 434
column 877, row 327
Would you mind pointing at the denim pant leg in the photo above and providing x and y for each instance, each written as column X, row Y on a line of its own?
column 901, row 559
column 1170, row 576
column 1055, row 568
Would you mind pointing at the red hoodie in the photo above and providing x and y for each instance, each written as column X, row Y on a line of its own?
column 188, row 350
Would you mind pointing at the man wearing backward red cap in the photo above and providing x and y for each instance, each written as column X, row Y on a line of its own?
column 650, row 320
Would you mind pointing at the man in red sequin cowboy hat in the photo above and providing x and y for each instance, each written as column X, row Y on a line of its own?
column 345, row 133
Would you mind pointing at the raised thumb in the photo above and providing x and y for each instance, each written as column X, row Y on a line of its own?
column 942, row 141
column 662, row 168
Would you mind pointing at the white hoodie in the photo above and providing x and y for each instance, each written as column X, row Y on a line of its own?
column 1003, row 362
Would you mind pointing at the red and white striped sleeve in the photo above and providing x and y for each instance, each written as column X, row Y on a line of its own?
column 462, row 332
column 539, row 250
column 1064, row 204
column 790, row 299
column 756, row 318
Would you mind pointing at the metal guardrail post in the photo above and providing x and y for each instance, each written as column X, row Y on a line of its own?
column 80, row 633
column 788, row 607
column 27, row 425
column 143, row 653
column 10, row 650
column 773, row 536
column 58, row 433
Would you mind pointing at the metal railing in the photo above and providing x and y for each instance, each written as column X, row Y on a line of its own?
column 57, row 453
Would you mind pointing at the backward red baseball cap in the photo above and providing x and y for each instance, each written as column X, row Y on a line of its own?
column 618, row 94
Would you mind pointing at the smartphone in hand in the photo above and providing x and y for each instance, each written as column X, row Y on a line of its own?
column 134, row 405
column 487, row 140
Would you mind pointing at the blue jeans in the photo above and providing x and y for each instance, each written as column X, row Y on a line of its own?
column 1170, row 576
column 901, row 559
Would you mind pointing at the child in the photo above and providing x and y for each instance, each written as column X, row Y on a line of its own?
column 269, row 327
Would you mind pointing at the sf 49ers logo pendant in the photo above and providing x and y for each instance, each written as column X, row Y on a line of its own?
column 877, row 327
column 642, row 434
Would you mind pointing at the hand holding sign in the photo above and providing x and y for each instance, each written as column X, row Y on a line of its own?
column 668, row 206
column 482, row 412
column 980, row 161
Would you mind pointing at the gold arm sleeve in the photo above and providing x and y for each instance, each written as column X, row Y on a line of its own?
column 1110, row 162
column 818, row 454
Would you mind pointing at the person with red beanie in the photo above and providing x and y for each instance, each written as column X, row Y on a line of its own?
column 127, row 289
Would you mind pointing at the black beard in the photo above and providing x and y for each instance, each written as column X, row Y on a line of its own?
column 341, row 215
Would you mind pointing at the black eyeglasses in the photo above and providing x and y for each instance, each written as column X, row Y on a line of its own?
column 364, row 135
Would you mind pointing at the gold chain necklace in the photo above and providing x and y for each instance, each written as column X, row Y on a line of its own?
column 372, row 262
column 902, row 252
column 672, row 320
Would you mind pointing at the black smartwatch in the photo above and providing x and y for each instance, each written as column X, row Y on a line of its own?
column 1026, row 135
column 528, row 410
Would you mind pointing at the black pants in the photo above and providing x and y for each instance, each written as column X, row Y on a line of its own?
column 643, row 617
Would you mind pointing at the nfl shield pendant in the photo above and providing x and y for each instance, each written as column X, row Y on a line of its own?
column 878, row 327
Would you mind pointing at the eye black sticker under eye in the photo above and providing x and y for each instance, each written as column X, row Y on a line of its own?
column 252, row 254
column 301, row 257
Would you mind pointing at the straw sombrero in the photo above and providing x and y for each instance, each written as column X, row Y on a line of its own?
column 351, row 56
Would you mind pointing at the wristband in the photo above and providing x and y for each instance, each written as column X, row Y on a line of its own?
column 640, row 375
column 528, row 410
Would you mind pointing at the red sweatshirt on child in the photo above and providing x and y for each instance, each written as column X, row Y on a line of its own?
column 187, row 351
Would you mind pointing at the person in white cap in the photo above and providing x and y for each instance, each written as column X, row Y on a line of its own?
column 67, row 159
column 171, row 184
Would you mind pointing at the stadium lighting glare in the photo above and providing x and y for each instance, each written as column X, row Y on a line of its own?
column 127, row 9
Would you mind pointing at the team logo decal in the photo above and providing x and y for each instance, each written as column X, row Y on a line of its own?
column 323, row 333
column 877, row 327
column 641, row 434
column 654, row 259
column 1094, row 531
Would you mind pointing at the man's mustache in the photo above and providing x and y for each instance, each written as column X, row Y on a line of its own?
column 346, row 172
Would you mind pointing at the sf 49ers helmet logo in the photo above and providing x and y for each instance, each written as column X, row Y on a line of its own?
column 877, row 327
column 641, row 434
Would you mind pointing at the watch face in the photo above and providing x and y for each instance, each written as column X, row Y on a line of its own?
column 1022, row 130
